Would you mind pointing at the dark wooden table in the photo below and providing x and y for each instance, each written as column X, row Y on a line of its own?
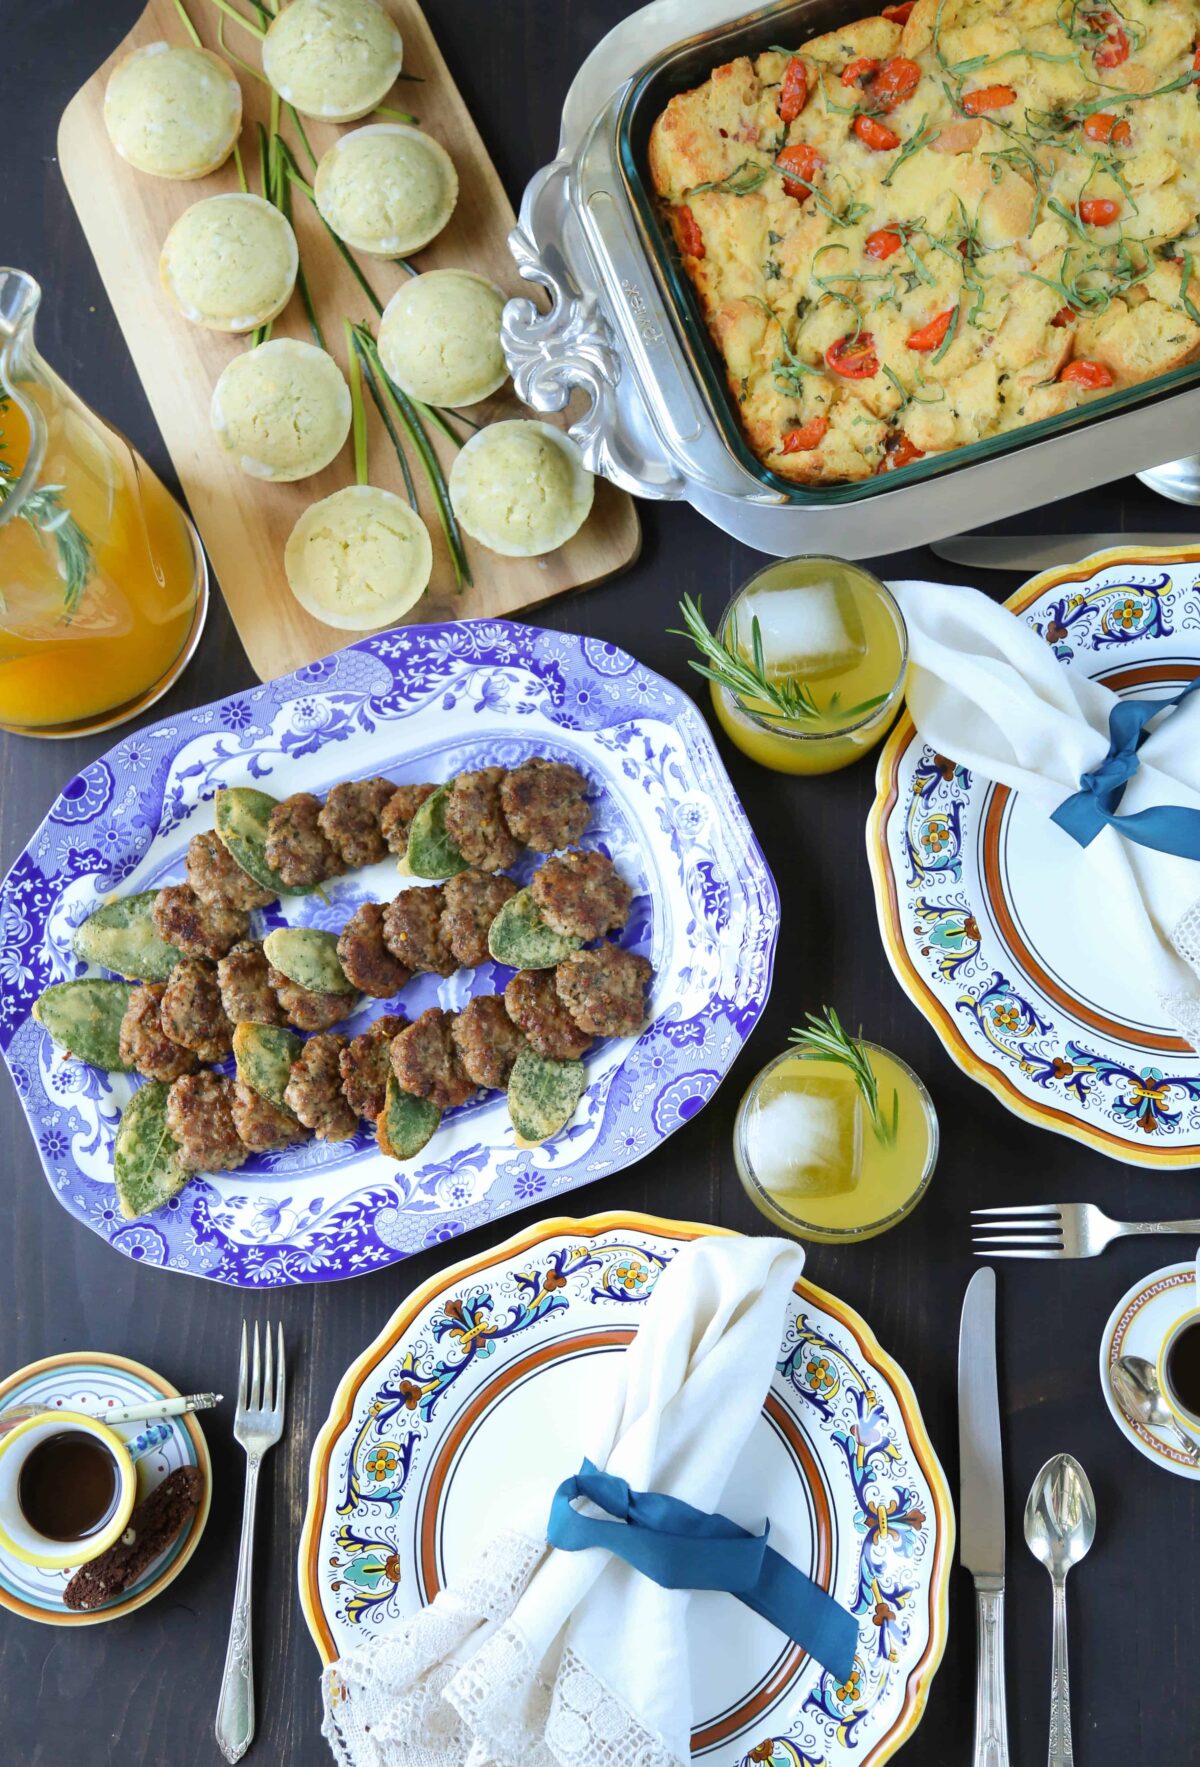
column 143, row 1691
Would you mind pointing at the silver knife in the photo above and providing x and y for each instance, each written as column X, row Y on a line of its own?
column 1037, row 552
column 981, row 1510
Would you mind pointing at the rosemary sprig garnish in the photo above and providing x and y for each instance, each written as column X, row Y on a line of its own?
column 358, row 420
column 823, row 1038
column 385, row 417
column 727, row 667
column 44, row 511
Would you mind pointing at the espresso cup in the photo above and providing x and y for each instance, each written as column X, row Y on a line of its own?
column 18, row 1535
column 1179, row 1365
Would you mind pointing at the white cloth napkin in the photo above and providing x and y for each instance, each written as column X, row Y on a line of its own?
column 554, row 1659
column 986, row 691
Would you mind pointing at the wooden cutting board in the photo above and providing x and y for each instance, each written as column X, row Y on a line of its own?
column 243, row 522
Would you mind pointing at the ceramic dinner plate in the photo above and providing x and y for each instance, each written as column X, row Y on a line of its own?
column 431, row 1430
column 1137, row 1326
column 422, row 702
column 94, row 1382
column 1021, row 971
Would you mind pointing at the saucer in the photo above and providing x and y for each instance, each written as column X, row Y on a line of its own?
column 1137, row 1326
column 77, row 1381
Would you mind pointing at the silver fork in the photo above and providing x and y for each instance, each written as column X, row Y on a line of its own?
column 257, row 1425
column 1057, row 1230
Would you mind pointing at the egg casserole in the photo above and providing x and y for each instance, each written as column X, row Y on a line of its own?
column 942, row 223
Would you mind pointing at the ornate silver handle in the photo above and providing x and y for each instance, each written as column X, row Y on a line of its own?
column 991, row 1717
column 1126, row 1229
column 1061, row 1752
column 235, row 1709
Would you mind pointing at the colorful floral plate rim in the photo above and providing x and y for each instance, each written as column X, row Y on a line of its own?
column 89, row 1380
column 956, row 865
column 422, row 702
column 1136, row 1326
column 394, row 1458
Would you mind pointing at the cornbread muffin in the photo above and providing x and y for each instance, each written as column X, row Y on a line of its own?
column 283, row 409
column 333, row 59
column 938, row 225
column 520, row 488
column 358, row 559
column 439, row 338
column 229, row 263
column 172, row 110
column 387, row 190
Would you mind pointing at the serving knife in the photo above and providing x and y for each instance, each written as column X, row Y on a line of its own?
column 1037, row 552
column 981, row 1510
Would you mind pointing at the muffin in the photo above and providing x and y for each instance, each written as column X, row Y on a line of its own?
column 332, row 59
column 386, row 190
column 229, row 263
column 439, row 338
column 520, row 488
column 358, row 559
column 283, row 409
column 172, row 110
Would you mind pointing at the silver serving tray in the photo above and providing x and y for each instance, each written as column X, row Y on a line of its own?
column 616, row 332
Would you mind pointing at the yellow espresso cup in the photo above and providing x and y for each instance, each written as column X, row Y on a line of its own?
column 1179, row 1369
column 18, row 1534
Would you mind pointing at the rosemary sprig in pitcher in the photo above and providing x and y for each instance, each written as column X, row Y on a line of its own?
column 824, row 1038
column 790, row 699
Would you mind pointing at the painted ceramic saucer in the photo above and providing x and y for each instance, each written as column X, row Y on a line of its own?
column 93, row 1382
column 1137, row 1326
column 430, row 1430
column 1019, row 969
column 422, row 702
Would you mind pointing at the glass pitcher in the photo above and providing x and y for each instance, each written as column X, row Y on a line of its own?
column 103, row 582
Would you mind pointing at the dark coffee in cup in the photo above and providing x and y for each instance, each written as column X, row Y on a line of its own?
column 1182, row 1368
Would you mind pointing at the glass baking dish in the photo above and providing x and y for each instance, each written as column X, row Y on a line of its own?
column 624, row 328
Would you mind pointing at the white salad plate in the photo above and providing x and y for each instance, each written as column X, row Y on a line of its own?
column 1137, row 1326
column 1023, row 974
column 481, row 1386
column 419, row 703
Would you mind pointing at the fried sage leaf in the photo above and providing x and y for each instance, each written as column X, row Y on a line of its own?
column 542, row 1095
column 264, row 1055
column 521, row 938
column 84, row 1019
column 122, row 937
column 241, row 815
column 405, row 1123
column 431, row 852
column 308, row 956
column 146, row 1165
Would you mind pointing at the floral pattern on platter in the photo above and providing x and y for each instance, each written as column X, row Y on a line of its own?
column 419, row 702
column 891, row 1529
column 941, row 925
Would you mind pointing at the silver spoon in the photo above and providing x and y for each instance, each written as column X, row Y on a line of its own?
column 1060, row 1525
column 1135, row 1384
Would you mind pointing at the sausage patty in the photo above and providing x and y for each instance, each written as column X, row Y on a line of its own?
column 216, row 876
column 398, row 812
column 487, row 1041
column 544, row 804
column 365, row 1064
column 144, row 1043
column 603, row 990
column 307, row 1010
column 426, row 1063
column 349, row 820
column 200, row 1117
column 314, row 1090
column 200, row 929
column 475, row 822
column 364, row 955
column 296, row 847
column 412, row 931
column 532, row 1002
column 261, row 1125
column 244, row 978
column 582, row 894
column 473, row 900
column 192, row 1013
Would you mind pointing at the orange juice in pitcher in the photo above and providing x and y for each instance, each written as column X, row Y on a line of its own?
column 103, row 586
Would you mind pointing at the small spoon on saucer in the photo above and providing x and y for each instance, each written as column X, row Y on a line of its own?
column 1135, row 1385
column 143, row 1412
column 1060, row 1525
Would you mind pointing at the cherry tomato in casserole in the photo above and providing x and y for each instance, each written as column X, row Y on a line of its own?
column 929, row 337
column 690, row 236
column 793, row 94
column 986, row 98
column 1090, row 375
column 809, row 435
column 853, row 358
column 800, row 165
column 875, row 135
column 882, row 243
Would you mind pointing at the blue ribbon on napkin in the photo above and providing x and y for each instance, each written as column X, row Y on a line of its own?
column 679, row 1547
column 1168, row 828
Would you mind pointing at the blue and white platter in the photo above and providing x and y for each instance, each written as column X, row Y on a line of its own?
column 422, row 702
